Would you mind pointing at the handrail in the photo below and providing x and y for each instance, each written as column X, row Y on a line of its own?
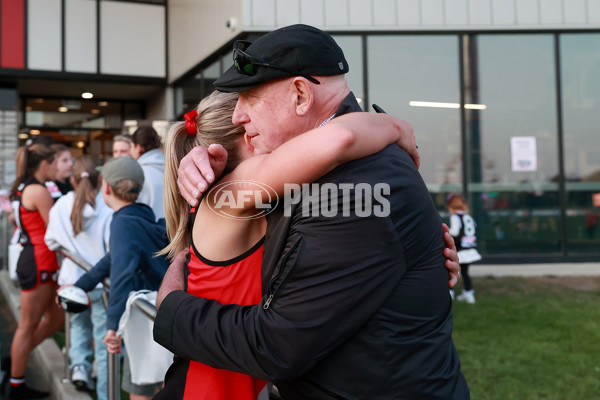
column 81, row 263
column 147, row 308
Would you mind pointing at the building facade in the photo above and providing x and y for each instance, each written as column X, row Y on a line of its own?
column 503, row 94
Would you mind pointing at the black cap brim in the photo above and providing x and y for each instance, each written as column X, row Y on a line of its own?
column 232, row 81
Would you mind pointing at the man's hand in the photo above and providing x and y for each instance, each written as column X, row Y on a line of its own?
column 112, row 341
column 451, row 257
column 199, row 169
column 174, row 278
column 407, row 141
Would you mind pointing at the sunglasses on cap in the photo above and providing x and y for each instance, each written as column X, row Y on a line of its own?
column 247, row 65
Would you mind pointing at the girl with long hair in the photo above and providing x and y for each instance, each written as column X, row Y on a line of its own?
column 64, row 163
column 226, row 253
column 37, row 268
column 80, row 223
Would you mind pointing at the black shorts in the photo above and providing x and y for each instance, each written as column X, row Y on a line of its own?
column 28, row 273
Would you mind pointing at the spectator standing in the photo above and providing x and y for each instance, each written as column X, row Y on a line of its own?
column 64, row 163
column 464, row 231
column 80, row 223
column 121, row 146
column 146, row 150
column 135, row 237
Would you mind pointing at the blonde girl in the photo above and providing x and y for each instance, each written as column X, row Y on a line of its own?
column 80, row 223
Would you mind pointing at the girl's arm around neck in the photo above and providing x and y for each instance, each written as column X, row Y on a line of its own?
column 311, row 155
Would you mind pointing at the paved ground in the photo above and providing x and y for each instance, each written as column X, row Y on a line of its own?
column 46, row 365
column 8, row 324
column 572, row 269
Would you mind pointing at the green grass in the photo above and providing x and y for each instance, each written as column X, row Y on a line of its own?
column 530, row 339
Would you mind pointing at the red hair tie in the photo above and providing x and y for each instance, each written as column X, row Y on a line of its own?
column 190, row 122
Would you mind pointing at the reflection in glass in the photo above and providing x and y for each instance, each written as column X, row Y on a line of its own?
column 352, row 48
column 580, row 69
column 409, row 68
column 516, row 206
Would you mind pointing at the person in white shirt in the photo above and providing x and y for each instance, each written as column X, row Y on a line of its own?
column 80, row 223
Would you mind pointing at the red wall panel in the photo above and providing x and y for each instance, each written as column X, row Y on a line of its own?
column 12, row 33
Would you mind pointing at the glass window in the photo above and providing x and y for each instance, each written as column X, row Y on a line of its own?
column 512, row 142
column 191, row 92
column 72, row 113
column 352, row 48
column 416, row 78
column 580, row 69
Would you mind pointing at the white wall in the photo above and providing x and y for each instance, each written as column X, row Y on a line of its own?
column 160, row 105
column 197, row 28
column 80, row 36
column 334, row 15
column 44, row 35
column 132, row 39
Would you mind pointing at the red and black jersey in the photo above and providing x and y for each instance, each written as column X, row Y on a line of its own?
column 235, row 281
column 37, row 263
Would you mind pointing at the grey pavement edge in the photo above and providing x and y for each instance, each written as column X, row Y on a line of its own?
column 524, row 270
column 47, row 356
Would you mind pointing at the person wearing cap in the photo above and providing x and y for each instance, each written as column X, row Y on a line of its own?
column 135, row 236
column 353, row 307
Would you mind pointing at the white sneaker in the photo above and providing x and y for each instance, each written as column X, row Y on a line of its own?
column 81, row 378
column 467, row 296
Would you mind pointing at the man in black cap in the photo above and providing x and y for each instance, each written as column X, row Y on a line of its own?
column 355, row 306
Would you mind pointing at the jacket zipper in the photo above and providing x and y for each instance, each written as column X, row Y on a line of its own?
column 283, row 273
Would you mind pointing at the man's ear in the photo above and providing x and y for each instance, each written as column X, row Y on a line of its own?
column 106, row 188
column 304, row 96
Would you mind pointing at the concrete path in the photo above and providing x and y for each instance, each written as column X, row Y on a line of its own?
column 574, row 269
column 47, row 358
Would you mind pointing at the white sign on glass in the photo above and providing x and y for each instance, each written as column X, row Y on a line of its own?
column 523, row 153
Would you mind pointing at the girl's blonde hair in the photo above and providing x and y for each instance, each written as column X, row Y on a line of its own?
column 213, row 126
column 87, row 180
column 28, row 160
column 122, row 138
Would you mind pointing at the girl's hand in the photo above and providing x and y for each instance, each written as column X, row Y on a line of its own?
column 113, row 342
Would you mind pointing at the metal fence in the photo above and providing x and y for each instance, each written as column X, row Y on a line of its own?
column 146, row 307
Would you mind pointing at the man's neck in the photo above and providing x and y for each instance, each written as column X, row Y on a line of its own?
column 330, row 105
column 117, row 204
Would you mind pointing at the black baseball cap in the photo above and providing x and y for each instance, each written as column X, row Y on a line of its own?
column 296, row 50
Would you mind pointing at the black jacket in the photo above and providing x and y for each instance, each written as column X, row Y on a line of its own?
column 353, row 307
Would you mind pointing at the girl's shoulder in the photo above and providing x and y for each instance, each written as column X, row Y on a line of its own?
column 35, row 189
